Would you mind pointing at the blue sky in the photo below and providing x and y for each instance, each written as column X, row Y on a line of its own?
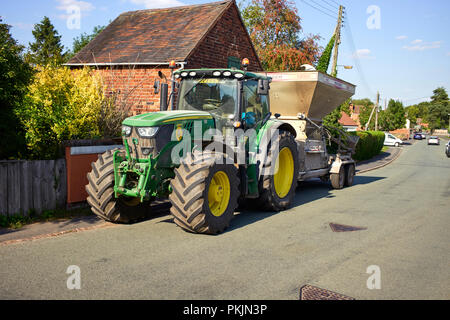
column 398, row 47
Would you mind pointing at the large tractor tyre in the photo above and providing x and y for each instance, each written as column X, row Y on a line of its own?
column 338, row 179
column 279, row 176
column 349, row 174
column 100, row 190
column 205, row 192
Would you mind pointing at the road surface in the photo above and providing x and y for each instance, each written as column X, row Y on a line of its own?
column 404, row 206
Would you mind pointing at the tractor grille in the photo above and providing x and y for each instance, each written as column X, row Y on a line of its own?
column 149, row 146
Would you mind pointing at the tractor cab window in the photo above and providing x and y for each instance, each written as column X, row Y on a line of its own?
column 214, row 95
column 255, row 105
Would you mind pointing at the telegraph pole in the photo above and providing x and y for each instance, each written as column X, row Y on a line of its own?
column 376, row 114
column 337, row 42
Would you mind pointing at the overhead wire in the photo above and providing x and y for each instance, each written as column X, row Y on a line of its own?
column 331, row 5
column 355, row 59
column 332, row 12
column 325, row 13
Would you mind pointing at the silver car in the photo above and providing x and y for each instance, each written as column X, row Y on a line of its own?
column 433, row 140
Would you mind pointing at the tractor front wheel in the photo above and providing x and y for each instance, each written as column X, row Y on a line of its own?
column 205, row 192
column 101, row 198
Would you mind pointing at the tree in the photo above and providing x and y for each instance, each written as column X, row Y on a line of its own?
column 47, row 47
column 81, row 41
column 325, row 58
column 15, row 74
column 439, row 109
column 274, row 28
column 395, row 115
column 364, row 111
column 439, row 95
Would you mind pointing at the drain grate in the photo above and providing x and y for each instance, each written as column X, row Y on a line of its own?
column 336, row 227
column 308, row 292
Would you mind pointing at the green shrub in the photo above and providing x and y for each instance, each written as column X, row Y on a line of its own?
column 369, row 145
column 61, row 104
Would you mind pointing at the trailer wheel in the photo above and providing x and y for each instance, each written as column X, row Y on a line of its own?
column 349, row 174
column 279, row 179
column 205, row 192
column 338, row 179
column 101, row 198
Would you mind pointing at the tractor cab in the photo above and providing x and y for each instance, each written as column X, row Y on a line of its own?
column 234, row 98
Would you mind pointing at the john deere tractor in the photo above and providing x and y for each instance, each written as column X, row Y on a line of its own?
column 217, row 146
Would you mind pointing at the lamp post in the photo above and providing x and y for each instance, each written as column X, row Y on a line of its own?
column 345, row 67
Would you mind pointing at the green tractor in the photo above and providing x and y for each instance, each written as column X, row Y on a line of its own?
column 220, row 146
column 194, row 155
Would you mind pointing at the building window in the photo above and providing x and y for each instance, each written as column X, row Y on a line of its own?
column 234, row 62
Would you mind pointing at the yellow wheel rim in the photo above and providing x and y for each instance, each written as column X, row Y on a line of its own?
column 284, row 172
column 219, row 193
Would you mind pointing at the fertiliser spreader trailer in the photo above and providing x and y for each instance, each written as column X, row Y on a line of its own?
column 230, row 137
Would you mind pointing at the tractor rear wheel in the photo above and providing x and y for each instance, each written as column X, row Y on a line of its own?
column 101, row 198
column 279, row 180
column 205, row 192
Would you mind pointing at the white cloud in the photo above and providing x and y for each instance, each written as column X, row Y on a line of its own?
column 22, row 26
column 417, row 41
column 155, row 4
column 363, row 54
column 401, row 37
column 421, row 46
column 83, row 5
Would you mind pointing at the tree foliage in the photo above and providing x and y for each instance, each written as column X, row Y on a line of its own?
column 47, row 47
column 61, row 104
column 274, row 28
column 435, row 112
column 324, row 60
column 83, row 39
column 14, row 78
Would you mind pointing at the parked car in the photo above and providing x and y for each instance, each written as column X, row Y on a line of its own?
column 424, row 136
column 417, row 136
column 447, row 149
column 433, row 140
column 391, row 140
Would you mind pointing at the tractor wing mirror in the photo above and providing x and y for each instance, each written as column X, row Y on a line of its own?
column 263, row 87
column 156, row 86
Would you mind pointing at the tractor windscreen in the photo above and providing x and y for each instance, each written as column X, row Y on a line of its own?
column 214, row 95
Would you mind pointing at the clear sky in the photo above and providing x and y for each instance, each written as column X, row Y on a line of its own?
column 398, row 47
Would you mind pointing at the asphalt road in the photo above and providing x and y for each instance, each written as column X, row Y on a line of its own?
column 404, row 206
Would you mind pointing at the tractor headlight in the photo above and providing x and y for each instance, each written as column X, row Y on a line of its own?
column 147, row 132
column 126, row 130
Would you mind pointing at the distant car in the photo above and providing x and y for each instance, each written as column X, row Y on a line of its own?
column 424, row 136
column 433, row 140
column 417, row 136
column 391, row 140
column 447, row 149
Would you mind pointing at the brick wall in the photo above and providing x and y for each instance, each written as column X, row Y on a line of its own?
column 227, row 38
column 134, row 85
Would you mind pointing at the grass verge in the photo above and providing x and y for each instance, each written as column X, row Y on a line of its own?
column 15, row 221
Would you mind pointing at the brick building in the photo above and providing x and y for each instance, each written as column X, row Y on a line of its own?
column 137, row 44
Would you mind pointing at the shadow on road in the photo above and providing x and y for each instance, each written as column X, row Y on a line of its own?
column 306, row 192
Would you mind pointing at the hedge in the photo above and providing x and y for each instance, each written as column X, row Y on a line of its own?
column 369, row 145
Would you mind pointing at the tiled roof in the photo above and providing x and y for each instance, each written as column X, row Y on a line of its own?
column 345, row 120
column 152, row 36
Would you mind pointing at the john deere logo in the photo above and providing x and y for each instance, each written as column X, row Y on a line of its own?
column 179, row 132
